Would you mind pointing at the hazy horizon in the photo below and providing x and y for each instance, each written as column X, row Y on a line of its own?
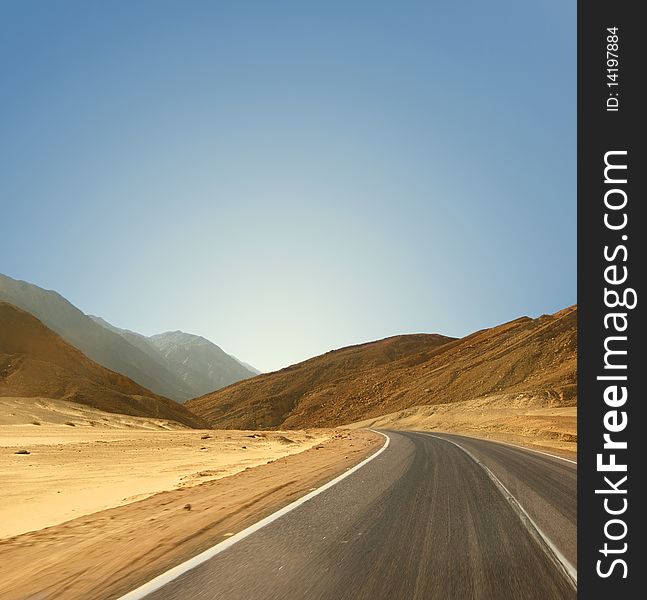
column 284, row 180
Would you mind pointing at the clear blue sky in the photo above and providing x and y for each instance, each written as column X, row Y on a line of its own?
column 289, row 177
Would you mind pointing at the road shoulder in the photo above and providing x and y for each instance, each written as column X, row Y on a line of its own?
column 106, row 554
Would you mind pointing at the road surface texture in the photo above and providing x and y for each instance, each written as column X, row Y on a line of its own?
column 423, row 520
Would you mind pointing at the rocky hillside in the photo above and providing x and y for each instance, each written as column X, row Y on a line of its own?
column 177, row 373
column 272, row 399
column 199, row 363
column 98, row 343
column 35, row 362
column 525, row 355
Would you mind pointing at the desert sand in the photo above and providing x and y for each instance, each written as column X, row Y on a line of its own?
column 78, row 469
column 527, row 419
column 107, row 553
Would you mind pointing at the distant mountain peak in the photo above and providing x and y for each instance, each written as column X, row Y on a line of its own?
column 38, row 363
column 175, row 364
column 200, row 362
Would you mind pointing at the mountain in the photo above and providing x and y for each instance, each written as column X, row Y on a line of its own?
column 35, row 362
column 124, row 351
column 147, row 347
column 340, row 387
column 199, row 363
column 98, row 343
column 322, row 383
column 135, row 339
column 249, row 367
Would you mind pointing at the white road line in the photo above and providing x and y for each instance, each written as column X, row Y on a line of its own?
column 551, row 550
column 513, row 446
column 168, row 576
column 531, row 450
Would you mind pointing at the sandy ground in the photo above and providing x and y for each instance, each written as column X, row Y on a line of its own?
column 105, row 554
column 78, row 469
column 519, row 419
column 46, row 411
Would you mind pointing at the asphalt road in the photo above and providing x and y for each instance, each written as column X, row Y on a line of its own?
column 423, row 520
column 545, row 486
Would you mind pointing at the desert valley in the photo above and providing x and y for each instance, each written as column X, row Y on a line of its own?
column 128, row 454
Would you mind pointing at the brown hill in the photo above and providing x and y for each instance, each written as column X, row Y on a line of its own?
column 347, row 385
column 267, row 400
column 36, row 362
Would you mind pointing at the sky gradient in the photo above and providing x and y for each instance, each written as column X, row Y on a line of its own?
column 285, row 178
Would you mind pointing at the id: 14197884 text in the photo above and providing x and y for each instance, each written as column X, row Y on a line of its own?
column 613, row 73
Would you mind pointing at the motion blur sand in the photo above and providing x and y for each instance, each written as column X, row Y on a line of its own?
column 108, row 553
column 78, row 469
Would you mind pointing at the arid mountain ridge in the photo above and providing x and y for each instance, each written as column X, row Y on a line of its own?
column 199, row 364
column 191, row 368
column 35, row 362
column 525, row 356
column 524, row 364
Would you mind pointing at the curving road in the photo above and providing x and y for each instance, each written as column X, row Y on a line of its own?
column 432, row 517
